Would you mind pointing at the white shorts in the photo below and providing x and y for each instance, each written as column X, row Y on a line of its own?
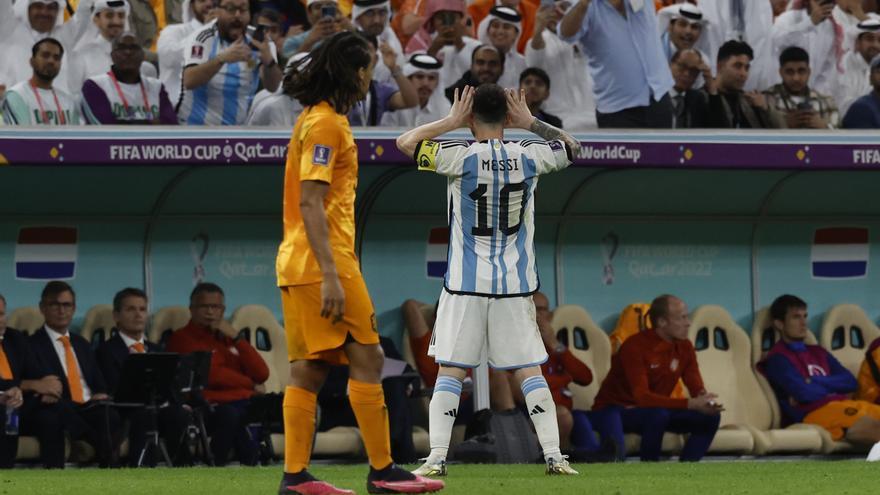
column 507, row 325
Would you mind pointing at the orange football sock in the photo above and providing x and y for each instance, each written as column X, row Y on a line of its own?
column 368, row 403
column 299, row 428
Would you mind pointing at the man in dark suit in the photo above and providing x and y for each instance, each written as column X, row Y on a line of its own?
column 80, row 408
column 13, row 351
column 130, row 314
column 689, row 105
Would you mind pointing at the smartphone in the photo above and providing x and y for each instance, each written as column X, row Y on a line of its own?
column 328, row 11
column 805, row 105
column 448, row 18
column 259, row 33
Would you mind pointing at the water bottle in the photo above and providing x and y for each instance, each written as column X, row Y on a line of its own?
column 11, row 428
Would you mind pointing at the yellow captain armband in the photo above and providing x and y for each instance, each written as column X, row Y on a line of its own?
column 426, row 155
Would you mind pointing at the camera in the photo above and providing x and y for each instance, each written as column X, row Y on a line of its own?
column 805, row 105
column 448, row 18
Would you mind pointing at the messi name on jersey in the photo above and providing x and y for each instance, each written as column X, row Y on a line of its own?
column 501, row 165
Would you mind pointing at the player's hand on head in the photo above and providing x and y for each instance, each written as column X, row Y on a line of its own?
column 332, row 299
column 518, row 113
column 462, row 102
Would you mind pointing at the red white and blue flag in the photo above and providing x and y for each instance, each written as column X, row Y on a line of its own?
column 435, row 255
column 840, row 253
column 46, row 253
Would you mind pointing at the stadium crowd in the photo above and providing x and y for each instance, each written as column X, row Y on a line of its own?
column 590, row 63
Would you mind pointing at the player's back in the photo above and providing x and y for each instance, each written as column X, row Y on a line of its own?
column 321, row 149
column 491, row 210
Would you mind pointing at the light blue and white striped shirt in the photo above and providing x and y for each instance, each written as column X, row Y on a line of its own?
column 226, row 98
column 491, row 188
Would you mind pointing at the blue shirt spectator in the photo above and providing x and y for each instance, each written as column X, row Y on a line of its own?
column 864, row 113
column 627, row 63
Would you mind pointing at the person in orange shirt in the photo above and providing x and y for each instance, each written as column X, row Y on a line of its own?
column 479, row 10
column 328, row 315
column 869, row 374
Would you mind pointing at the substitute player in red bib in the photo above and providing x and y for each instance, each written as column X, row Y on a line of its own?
column 328, row 315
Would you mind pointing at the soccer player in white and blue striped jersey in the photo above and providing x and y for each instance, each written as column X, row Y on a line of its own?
column 491, row 274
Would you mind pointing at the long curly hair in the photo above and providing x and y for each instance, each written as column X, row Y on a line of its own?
column 331, row 73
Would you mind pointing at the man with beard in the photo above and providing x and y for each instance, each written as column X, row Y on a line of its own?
column 501, row 29
column 802, row 106
column 423, row 71
column 36, row 101
column 572, row 96
column 29, row 21
column 855, row 80
column 684, row 25
column 371, row 18
column 92, row 57
column 223, row 67
column 172, row 41
column 487, row 63
column 122, row 95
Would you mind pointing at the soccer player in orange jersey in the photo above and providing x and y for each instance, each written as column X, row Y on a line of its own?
column 328, row 315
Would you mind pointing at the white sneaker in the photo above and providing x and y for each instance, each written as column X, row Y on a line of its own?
column 431, row 468
column 874, row 454
column 559, row 466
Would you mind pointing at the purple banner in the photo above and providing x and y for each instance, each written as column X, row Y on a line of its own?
column 133, row 146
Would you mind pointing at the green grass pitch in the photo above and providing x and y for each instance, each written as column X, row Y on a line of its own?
column 741, row 477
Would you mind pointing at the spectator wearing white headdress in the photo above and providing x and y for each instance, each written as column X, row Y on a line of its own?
column 809, row 24
column 444, row 35
column 566, row 65
column 849, row 13
column 92, row 56
column 275, row 108
column 172, row 43
column 423, row 71
column 855, row 80
column 371, row 18
column 27, row 21
column 749, row 21
column 502, row 29
column 682, row 25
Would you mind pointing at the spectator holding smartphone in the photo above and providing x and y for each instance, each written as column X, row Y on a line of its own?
column 326, row 20
column 444, row 36
column 802, row 107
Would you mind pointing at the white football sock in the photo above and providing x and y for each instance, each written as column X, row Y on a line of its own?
column 874, row 454
column 542, row 411
column 441, row 416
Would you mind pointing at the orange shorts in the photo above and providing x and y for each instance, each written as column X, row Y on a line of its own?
column 839, row 415
column 309, row 336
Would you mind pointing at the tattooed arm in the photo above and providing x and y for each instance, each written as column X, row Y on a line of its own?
column 519, row 116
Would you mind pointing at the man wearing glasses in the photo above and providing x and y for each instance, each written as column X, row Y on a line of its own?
column 237, row 373
column 224, row 66
column 78, row 408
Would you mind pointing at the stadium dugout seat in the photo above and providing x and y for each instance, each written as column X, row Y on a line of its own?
column 266, row 335
column 575, row 328
column 764, row 337
column 724, row 356
column 28, row 319
column 846, row 333
column 99, row 324
column 165, row 322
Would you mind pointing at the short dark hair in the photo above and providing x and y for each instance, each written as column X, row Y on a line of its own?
column 794, row 54
column 56, row 288
column 490, row 47
column 659, row 308
column 783, row 303
column 734, row 48
column 684, row 51
column 124, row 294
column 205, row 288
column 537, row 72
column 331, row 74
column 270, row 14
column 51, row 41
column 490, row 104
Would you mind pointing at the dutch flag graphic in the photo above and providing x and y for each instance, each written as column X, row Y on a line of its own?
column 840, row 253
column 435, row 255
column 46, row 253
